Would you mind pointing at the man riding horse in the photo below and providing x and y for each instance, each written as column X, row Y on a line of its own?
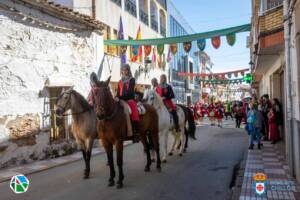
column 166, row 92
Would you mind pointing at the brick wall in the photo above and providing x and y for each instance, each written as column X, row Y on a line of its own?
column 271, row 20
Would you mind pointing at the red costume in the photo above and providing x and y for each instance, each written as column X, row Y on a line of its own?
column 211, row 110
column 273, row 129
column 126, row 92
column 168, row 94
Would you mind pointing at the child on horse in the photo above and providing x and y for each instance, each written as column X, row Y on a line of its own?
column 126, row 93
column 166, row 92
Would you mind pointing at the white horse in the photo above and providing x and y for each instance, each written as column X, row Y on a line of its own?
column 166, row 123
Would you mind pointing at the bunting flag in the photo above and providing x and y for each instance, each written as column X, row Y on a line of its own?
column 187, row 46
column 123, row 48
column 231, row 38
column 153, row 55
column 160, row 49
column 169, row 58
column 147, row 50
column 137, row 50
column 173, row 48
column 201, row 43
column 216, row 42
column 181, row 39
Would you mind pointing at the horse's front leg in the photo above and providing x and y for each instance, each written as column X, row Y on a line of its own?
column 119, row 149
column 88, row 153
column 186, row 139
column 175, row 134
column 85, row 176
column 110, row 158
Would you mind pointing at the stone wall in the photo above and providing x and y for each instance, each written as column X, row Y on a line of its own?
column 29, row 55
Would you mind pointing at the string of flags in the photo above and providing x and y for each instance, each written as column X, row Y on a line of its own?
column 211, row 76
column 158, row 44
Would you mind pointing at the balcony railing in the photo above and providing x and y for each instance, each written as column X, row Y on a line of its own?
column 118, row 2
column 130, row 7
column 273, row 4
column 266, row 5
column 163, row 31
column 144, row 17
column 154, row 24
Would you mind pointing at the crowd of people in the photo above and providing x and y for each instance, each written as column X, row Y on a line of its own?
column 263, row 118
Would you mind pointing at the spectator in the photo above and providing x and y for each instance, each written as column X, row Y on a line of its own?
column 265, row 107
column 279, row 115
column 273, row 128
column 255, row 123
column 238, row 113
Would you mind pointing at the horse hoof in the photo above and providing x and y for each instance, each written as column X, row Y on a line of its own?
column 184, row 150
column 180, row 154
column 111, row 183
column 164, row 161
column 170, row 154
column 119, row 185
column 153, row 160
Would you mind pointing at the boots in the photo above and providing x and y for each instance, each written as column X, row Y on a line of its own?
column 136, row 131
column 175, row 117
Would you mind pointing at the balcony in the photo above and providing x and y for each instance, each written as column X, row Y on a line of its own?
column 130, row 7
column 144, row 17
column 270, row 21
column 118, row 2
column 163, row 31
column 163, row 3
column 154, row 24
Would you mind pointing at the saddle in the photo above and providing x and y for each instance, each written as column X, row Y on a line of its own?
column 141, row 108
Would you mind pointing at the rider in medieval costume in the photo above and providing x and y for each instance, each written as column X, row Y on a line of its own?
column 126, row 93
column 166, row 92
column 93, row 81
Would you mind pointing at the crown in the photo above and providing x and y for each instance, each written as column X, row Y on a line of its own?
column 260, row 177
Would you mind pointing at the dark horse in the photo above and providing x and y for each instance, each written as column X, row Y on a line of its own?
column 112, row 128
column 189, row 119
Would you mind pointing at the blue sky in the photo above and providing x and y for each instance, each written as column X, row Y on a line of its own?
column 206, row 15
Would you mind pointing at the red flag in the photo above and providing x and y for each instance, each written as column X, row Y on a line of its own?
column 153, row 55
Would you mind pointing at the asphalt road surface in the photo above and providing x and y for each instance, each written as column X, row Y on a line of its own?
column 204, row 172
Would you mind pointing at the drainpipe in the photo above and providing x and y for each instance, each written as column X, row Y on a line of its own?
column 290, row 129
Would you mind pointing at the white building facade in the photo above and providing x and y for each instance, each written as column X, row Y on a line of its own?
column 149, row 15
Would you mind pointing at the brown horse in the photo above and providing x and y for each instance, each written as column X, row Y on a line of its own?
column 83, row 122
column 112, row 128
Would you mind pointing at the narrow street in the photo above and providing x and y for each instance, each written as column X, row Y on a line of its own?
column 204, row 172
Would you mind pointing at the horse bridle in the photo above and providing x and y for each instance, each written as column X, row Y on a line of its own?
column 109, row 117
column 64, row 115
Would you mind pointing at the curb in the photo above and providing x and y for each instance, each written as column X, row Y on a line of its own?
column 237, row 187
column 43, row 165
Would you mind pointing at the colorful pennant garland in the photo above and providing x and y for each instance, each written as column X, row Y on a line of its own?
column 123, row 49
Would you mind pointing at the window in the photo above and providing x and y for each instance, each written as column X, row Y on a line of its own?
column 107, row 36
column 266, row 5
column 115, row 49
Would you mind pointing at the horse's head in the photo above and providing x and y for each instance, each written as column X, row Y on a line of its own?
column 152, row 98
column 103, row 99
column 63, row 102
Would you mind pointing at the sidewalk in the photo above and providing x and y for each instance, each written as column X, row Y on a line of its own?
column 6, row 174
column 269, row 161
